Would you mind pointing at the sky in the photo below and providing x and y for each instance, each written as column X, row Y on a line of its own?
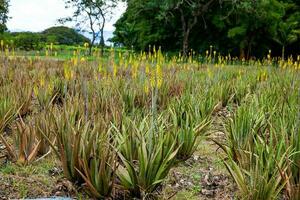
column 38, row 15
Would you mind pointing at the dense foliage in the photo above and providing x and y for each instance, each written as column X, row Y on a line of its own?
column 35, row 41
column 245, row 28
column 4, row 4
column 63, row 35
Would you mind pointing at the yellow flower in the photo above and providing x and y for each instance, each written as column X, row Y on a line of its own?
column 146, row 87
column 82, row 59
column 159, row 76
column 36, row 90
column 42, row 82
column 209, row 73
column 75, row 61
column 50, row 87
column 68, row 73
column 152, row 79
column 100, row 68
column 115, row 70
column 147, row 69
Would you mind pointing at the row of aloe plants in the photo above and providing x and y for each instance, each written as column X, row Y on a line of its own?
column 262, row 140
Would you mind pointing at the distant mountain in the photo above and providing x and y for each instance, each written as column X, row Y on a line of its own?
column 17, row 30
column 107, row 35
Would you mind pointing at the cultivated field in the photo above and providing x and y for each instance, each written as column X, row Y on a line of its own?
column 147, row 126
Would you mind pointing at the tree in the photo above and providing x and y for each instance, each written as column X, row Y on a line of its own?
column 189, row 13
column 4, row 4
column 63, row 35
column 288, row 29
column 27, row 40
column 253, row 21
column 91, row 15
column 141, row 26
column 245, row 28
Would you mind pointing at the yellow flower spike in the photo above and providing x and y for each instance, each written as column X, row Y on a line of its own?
column 146, row 87
column 152, row 78
column 209, row 73
column 55, row 53
column 6, row 52
column 51, row 46
column 100, row 68
column 75, row 61
column 207, row 52
column 36, row 90
column 42, row 82
column 46, row 53
column 50, row 87
column 82, row 59
column 68, row 74
column 134, row 70
column 147, row 69
column 159, row 76
column 115, row 70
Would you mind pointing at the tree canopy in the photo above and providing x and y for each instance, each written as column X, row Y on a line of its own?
column 243, row 28
column 91, row 16
column 63, row 35
column 4, row 4
column 59, row 35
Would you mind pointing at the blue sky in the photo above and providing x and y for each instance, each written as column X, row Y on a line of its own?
column 37, row 15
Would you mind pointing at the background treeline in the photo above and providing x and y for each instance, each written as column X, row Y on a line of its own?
column 34, row 41
column 245, row 28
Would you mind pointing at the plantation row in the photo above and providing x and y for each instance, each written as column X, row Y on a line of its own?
column 118, row 126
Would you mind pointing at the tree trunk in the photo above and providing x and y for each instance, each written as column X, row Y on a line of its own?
column 185, row 43
column 283, row 51
column 89, row 13
column 242, row 53
column 92, row 44
column 102, row 42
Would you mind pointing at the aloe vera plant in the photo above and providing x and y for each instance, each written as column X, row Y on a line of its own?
column 98, row 163
column 155, row 156
column 187, row 132
column 69, row 133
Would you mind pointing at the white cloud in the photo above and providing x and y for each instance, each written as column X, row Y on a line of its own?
column 37, row 15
